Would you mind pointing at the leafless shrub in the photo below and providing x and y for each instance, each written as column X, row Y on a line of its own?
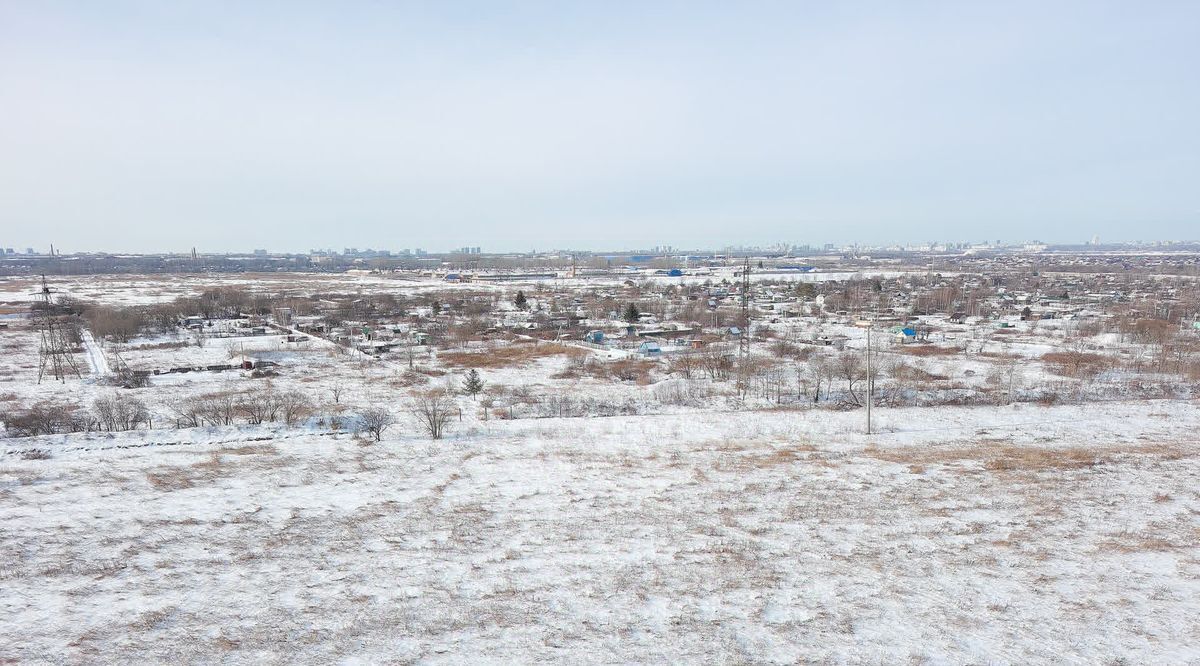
column 294, row 407
column 684, row 364
column 631, row 370
column 46, row 418
column 683, row 392
column 257, row 407
column 120, row 412
column 270, row 406
column 433, row 411
column 717, row 363
column 565, row 406
column 791, row 350
column 375, row 421
column 850, row 367
column 410, row 378
column 115, row 323
column 218, row 409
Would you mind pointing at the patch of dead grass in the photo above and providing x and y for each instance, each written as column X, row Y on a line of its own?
column 999, row 455
column 930, row 350
column 509, row 356
column 1142, row 543
column 179, row 478
column 252, row 450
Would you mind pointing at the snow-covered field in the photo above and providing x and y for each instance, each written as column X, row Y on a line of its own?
column 666, row 522
column 1007, row 535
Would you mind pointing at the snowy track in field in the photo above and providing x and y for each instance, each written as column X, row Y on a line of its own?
column 96, row 359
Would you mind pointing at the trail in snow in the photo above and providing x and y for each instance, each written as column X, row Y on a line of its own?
column 95, row 356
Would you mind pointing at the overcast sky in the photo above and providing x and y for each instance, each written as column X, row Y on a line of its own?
column 149, row 126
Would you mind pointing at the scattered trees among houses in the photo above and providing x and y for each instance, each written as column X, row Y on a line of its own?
column 1153, row 341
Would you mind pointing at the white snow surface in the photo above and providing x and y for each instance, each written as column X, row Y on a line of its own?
column 96, row 359
column 1008, row 535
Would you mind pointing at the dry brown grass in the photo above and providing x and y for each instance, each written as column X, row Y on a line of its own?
column 252, row 450
column 1001, row 456
column 782, row 456
column 1031, row 459
column 745, row 456
column 930, row 350
column 1144, row 542
column 509, row 356
column 1003, row 356
column 178, row 478
column 1076, row 364
column 174, row 478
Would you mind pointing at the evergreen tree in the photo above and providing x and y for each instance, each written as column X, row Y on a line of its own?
column 632, row 313
column 520, row 301
column 472, row 383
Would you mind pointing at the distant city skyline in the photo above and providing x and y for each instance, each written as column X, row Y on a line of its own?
column 948, row 246
column 158, row 127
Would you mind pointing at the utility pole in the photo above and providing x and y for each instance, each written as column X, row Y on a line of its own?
column 870, row 382
column 743, row 381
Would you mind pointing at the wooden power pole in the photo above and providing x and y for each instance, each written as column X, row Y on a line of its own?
column 870, row 383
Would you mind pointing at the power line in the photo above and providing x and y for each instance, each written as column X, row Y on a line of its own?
column 54, row 350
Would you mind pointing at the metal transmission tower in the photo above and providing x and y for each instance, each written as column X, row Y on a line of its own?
column 54, row 350
column 743, row 377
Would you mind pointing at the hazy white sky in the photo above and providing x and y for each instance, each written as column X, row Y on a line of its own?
column 146, row 126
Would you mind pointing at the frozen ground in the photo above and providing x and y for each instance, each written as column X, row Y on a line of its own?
column 992, row 535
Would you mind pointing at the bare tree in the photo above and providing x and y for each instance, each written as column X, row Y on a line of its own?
column 850, row 368
column 717, row 363
column 294, row 407
column 819, row 371
column 684, row 363
column 119, row 412
column 188, row 413
column 433, row 411
column 256, row 407
column 45, row 418
column 218, row 409
column 375, row 421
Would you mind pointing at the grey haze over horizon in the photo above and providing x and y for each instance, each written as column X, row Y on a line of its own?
column 151, row 126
